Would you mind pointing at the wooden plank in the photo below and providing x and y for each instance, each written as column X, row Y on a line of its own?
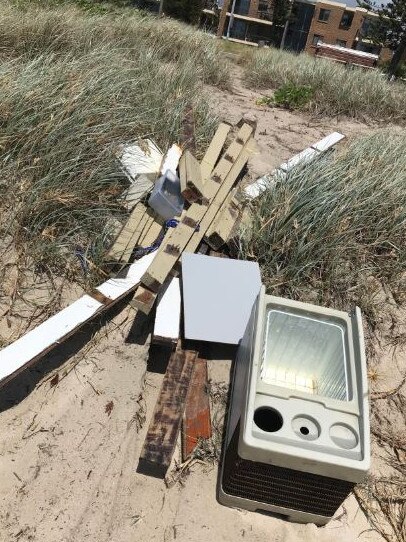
column 152, row 229
column 191, row 182
column 213, row 152
column 139, row 231
column 227, row 170
column 152, row 235
column 164, row 428
column 218, row 201
column 118, row 287
column 44, row 337
column 144, row 299
column 222, row 226
column 167, row 318
column 32, row 346
column 124, row 237
column 196, row 418
column 230, row 201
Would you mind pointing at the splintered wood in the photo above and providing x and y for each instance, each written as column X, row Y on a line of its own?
column 164, row 428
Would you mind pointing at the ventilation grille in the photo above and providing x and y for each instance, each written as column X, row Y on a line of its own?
column 282, row 487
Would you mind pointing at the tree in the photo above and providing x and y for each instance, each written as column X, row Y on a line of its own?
column 390, row 29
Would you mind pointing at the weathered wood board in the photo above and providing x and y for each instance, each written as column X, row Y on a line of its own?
column 164, row 428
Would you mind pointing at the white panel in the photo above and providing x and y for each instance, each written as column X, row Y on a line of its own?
column 328, row 142
column 20, row 352
column 302, row 157
column 116, row 287
column 218, row 295
column 136, row 161
column 167, row 319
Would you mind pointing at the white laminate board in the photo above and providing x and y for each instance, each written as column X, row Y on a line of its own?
column 50, row 332
column 167, row 319
column 116, row 287
column 304, row 156
column 218, row 295
column 328, row 141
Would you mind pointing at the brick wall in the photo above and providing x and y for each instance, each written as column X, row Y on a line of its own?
column 330, row 30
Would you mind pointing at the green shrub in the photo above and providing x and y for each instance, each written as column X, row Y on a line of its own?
column 336, row 90
column 292, row 96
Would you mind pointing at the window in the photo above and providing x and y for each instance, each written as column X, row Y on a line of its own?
column 341, row 43
column 324, row 15
column 346, row 20
column 316, row 39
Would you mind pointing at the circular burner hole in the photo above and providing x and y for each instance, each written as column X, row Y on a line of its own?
column 268, row 419
column 304, row 430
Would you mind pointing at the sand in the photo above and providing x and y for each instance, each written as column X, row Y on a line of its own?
column 73, row 426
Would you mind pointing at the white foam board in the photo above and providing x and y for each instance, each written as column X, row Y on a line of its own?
column 328, row 142
column 167, row 319
column 116, row 287
column 218, row 295
column 50, row 332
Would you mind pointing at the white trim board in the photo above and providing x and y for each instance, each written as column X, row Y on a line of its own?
column 167, row 319
column 328, row 142
column 48, row 334
column 301, row 158
column 254, row 190
column 117, row 287
column 36, row 343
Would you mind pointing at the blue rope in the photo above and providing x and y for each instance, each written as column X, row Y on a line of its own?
column 172, row 223
column 80, row 254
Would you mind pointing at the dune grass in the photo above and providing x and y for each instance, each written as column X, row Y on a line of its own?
column 336, row 89
column 73, row 87
column 331, row 227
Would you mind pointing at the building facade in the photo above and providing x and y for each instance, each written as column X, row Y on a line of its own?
column 311, row 21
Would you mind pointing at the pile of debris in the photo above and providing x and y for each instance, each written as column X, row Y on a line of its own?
column 178, row 206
